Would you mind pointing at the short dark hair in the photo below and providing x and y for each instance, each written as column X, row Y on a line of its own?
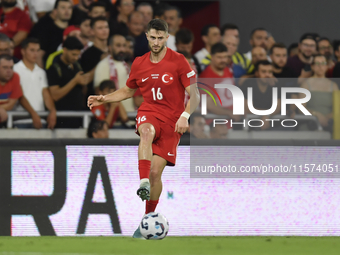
column 255, row 30
column 172, row 8
column 96, row 4
column 184, row 36
column 58, row 1
column 4, row 38
column 129, row 38
column 263, row 63
column 277, row 45
column 336, row 45
column 107, row 84
column 144, row 4
column 205, row 29
column 158, row 25
column 228, row 26
column 291, row 47
column 29, row 40
column 95, row 126
column 6, row 57
column 323, row 39
column 311, row 36
column 72, row 43
column 111, row 39
column 160, row 9
column 316, row 56
column 218, row 48
column 94, row 20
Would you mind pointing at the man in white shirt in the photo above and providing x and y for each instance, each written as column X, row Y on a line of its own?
column 173, row 16
column 210, row 35
column 34, row 84
column 114, row 68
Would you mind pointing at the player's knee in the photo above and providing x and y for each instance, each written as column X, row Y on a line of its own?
column 147, row 133
column 155, row 175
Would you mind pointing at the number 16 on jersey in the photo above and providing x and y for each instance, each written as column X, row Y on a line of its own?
column 157, row 95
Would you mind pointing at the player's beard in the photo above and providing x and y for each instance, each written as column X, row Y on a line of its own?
column 157, row 52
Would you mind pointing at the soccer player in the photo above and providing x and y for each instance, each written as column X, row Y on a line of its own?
column 163, row 76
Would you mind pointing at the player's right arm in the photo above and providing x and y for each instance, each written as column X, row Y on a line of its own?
column 117, row 96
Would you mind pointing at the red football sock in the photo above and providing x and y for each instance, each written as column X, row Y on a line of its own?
column 144, row 167
column 150, row 206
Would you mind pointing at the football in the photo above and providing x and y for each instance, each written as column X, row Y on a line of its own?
column 154, row 226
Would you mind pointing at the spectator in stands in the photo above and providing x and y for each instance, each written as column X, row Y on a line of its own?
column 184, row 42
column 98, row 129
column 3, row 117
column 230, row 29
column 219, row 71
column 278, row 55
column 5, row 44
column 114, row 68
column 160, row 9
column 196, row 126
column 66, row 82
column 270, row 42
column 262, row 90
column 173, row 17
column 232, row 44
column 210, row 35
column 220, row 131
column 293, row 50
column 336, row 47
column 33, row 79
column 110, row 112
column 300, row 63
column 97, row 9
column 118, row 24
column 83, row 33
column 227, row 32
column 50, row 34
column 10, row 89
column 136, row 30
column 11, row 50
column 325, row 48
column 321, row 89
column 258, row 38
column 257, row 54
column 130, row 46
column 93, row 55
column 80, row 11
column 15, row 23
column 147, row 11
column 40, row 8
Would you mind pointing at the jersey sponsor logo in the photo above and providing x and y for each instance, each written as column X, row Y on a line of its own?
column 192, row 73
column 167, row 78
column 155, row 76
column 143, row 80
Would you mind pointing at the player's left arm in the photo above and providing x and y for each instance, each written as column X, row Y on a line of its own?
column 182, row 124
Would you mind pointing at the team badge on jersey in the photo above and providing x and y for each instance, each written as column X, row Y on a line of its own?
column 167, row 78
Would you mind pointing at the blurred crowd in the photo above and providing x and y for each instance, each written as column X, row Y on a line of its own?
column 54, row 54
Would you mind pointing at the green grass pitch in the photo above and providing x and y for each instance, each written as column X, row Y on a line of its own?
column 170, row 246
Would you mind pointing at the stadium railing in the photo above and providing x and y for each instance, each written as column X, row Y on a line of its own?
column 86, row 115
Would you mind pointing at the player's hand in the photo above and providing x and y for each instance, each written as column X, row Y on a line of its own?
column 181, row 125
column 82, row 79
column 94, row 101
column 36, row 121
column 52, row 119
